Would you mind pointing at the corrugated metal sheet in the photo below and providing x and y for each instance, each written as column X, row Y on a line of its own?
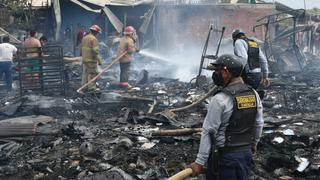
column 118, row 2
column 117, row 24
column 85, row 6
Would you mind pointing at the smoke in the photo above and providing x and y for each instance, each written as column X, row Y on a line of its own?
column 180, row 33
column 184, row 64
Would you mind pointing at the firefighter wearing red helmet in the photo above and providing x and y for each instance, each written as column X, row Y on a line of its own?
column 128, row 44
column 90, row 57
column 95, row 28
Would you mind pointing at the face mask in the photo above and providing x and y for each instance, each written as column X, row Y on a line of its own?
column 217, row 78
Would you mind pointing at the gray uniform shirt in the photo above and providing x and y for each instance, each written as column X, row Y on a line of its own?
column 217, row 119
column 241, row 50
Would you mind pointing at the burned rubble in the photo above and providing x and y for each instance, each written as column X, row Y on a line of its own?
column 113, row 134
column 151, row 130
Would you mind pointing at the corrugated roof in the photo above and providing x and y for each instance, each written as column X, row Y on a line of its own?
column 118, row 2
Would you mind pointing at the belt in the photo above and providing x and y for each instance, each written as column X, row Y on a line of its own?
column 234, row 149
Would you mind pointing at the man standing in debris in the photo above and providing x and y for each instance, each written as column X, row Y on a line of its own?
column 90, row 57
column 253, row 59
column 232, row 127
column 6, row 55
column 127, row 44
column 33, row 52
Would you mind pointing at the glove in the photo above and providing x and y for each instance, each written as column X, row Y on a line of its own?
column 266, row 82
column 196, row 168
column 99, row 61
column 254, row 148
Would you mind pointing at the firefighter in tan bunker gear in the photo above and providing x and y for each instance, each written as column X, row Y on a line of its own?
column 127, row 44
column 90, row 57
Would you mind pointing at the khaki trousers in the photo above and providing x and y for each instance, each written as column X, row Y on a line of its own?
column 89, row 71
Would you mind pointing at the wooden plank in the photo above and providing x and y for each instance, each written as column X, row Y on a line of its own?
column 28, row 119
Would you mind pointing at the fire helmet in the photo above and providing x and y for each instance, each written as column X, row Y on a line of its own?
column 236, row 33
column 231, row 62
column 129, row 30
column 95, row 28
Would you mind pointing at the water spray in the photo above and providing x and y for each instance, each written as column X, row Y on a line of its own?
column 148, row 53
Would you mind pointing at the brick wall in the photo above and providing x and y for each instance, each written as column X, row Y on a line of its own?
column 244, row 17
column 180, row 26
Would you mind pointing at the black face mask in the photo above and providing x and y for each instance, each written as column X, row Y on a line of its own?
column 217, row 77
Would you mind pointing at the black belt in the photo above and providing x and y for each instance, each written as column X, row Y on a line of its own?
column 234, row 149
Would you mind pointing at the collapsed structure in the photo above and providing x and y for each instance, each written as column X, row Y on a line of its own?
column 49, row 131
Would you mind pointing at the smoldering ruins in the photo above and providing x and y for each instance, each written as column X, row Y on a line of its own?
column 152, row 131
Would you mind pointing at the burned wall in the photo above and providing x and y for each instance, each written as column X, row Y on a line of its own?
column 184, row 26
column 187, row 25
column 245, row 17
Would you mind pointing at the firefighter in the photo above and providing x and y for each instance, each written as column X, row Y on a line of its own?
column 128, row 44
column 254, row 61
column 232, row 126
column 90, row 57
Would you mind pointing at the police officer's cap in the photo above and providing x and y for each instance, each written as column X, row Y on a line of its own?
column 231, row 62
column 236, row 33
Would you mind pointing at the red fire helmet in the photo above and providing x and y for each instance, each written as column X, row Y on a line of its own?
column 95, row 28
column 129, row 30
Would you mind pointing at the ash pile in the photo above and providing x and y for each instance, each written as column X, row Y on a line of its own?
column 131, row 134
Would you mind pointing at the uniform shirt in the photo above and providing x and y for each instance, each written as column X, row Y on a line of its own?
column 32, row 44
column 90, row 49
column 217, row 119
column 241, row 50
column 126, row 44
column 6, row 52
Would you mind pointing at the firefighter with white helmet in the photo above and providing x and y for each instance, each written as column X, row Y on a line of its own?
column 90, row 56
column 127, row 44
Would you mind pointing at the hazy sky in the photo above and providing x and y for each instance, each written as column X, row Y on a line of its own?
column 298, row 4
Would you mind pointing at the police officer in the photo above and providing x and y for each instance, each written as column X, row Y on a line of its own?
column 253, row 59
column 235, row 120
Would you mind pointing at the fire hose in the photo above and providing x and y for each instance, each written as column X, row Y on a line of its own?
column 103, row 70
column 213, row 90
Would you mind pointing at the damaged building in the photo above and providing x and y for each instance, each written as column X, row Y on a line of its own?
column 51, row 130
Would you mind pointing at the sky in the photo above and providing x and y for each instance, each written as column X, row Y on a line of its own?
column 299, row 4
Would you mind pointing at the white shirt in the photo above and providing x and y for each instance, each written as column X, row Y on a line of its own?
column 6, row 51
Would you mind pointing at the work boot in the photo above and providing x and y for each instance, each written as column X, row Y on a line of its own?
column 125, row 85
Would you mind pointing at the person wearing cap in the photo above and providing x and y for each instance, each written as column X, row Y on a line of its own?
column 232, row 126
column 90, row 57
column 127, row 44
column 255, row 63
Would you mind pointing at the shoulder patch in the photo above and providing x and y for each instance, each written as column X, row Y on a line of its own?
column 246, row 102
